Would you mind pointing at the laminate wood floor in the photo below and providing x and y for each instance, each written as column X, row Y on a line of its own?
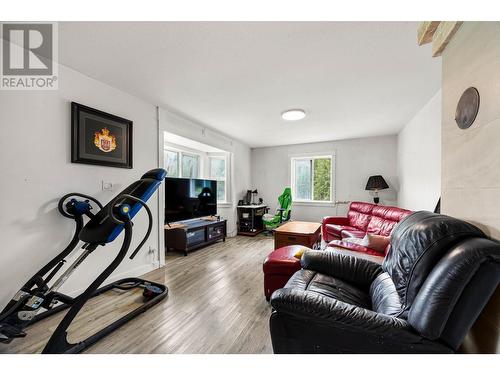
column 215, row 304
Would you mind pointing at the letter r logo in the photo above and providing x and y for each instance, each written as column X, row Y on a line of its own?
column 27, row 49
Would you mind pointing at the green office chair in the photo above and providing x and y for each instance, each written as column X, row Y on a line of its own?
column 283, row 213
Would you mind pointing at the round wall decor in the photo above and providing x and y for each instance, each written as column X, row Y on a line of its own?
column 467, row 108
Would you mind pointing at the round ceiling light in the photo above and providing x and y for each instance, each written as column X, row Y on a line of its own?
column 293, row 115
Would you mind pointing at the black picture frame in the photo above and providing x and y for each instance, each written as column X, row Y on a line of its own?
column 100, row 138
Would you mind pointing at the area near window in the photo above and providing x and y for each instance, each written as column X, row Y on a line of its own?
column 190, row 166
column 182, row 164
column 312, row 178
column 218, row 172
column 185, row 158
column 171, row 163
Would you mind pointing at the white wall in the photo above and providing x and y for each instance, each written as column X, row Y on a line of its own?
column 355, row 161
column 471, row 157
column 35, row 171
column 239, row 160
column 419, row 158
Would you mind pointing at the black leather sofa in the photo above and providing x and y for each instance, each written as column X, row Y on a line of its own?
column 437, row 277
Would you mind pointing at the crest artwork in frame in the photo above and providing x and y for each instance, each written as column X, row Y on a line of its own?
column 100, row 138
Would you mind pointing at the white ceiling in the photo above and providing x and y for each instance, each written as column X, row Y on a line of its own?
column 354, row 79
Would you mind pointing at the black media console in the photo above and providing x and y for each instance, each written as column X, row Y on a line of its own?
column 194, row 234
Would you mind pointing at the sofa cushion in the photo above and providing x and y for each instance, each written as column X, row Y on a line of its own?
column 352, row 233
column 384, row 218
column 359, row 215
column 329, row 286
column 336, row 230
column 417, row 244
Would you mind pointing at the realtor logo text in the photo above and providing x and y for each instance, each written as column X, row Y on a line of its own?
column 29, row 52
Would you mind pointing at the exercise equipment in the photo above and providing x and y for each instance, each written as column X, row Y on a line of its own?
column 37, row 300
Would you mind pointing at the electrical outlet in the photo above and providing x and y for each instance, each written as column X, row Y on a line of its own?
column 106, row 186
column 153, row 253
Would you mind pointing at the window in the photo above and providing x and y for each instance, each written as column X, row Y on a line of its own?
column 218, row 172
column 172, row 163
column 190, row 165
column 181, row 164
column 312, row 178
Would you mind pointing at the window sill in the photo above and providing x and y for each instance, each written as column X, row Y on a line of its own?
column 312, row 203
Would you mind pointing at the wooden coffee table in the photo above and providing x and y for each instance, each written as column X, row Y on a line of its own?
column 298, row 233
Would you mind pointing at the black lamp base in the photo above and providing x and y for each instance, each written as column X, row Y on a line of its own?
column 376, row 200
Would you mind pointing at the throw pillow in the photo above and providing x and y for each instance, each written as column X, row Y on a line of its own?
column 372, row 241
column 376, row 242
column 300, row 252
column 357, row 241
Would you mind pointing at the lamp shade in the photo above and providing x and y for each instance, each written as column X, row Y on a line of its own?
column 376, row 183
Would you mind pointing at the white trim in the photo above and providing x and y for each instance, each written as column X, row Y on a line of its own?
column 312, row 156
column 161, row 195
column 179, row 148
column 222, row 156
column 184, row 126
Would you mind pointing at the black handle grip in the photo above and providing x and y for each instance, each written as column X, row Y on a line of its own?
column 60, row 205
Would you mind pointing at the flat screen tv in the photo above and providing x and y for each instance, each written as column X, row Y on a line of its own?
column 189, row 198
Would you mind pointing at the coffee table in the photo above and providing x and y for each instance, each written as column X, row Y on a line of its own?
column 298, row 233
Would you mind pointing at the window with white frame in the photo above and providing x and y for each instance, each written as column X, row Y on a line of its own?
column 190, row 165
column 312, row 178
column 218, row 172
column 181, row 164
column 171, row 163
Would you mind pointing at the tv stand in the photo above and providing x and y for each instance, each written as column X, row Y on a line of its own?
column 193, row 234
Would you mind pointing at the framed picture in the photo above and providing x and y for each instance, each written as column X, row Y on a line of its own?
column 100, row 138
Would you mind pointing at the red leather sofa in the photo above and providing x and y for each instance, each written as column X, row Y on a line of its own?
column 362, row 218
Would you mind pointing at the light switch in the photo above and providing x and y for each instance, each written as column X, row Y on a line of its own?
column 107, row 186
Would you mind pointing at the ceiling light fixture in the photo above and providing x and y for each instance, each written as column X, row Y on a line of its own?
column 293, row 114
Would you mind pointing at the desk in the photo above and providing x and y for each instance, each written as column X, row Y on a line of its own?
column 250, row 219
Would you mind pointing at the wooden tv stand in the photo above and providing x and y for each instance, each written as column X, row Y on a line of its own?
column 193, row 234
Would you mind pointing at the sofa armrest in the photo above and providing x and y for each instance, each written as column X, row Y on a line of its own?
column 339, row 220
column 332, row 312
column 358, row 271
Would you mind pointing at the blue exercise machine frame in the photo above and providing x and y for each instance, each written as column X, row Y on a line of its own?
column 103, row 227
